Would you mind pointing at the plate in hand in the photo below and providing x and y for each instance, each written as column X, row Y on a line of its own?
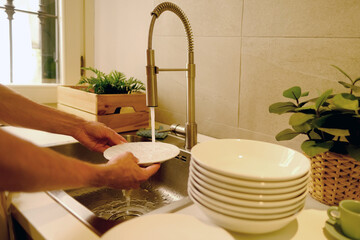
column 147, row 152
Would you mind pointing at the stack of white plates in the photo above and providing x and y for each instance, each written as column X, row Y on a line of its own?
column 248, row 186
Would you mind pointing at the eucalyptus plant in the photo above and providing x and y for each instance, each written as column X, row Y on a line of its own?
column 113, row 83
column 331, row 122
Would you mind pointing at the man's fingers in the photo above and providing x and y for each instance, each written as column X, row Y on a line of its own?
column 116, row 138
column 151, row 170
column 100, row 148
column 127, row 154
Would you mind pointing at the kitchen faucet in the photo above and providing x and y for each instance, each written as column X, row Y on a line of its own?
column 190, row 129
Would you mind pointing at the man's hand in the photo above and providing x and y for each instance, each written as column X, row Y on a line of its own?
column 123, row 172
column 27, row 167
column 97, row 137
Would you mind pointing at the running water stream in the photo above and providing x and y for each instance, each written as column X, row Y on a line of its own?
column 127, row 193
column 152, row 120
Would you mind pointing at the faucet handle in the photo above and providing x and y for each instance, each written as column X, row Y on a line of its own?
column 178, row 129
column 156, row 70
column 175, row 128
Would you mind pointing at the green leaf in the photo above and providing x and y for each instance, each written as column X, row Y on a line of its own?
column 314, row 135
column 305, row 108
column 286, row 134
column 282, row 107
column 300, row 118
column 335, row 131
column 346, row 85
column 293, row 93
column 354, row 151
column 346, row 101
column 351, row 86
column 305, row 94
column 313, row 148
column 303, row 128
column 343, row 73
column 320, row 101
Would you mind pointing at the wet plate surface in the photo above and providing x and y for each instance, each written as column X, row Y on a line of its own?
column 146, row 152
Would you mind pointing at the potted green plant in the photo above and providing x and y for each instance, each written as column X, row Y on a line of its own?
column 113, row 83
column 104, row 97
column 331, row 123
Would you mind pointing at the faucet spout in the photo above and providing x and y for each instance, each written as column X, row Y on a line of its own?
column 152, row 71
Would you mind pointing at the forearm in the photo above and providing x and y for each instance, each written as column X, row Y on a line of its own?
column 26, row 167
column 17, row 110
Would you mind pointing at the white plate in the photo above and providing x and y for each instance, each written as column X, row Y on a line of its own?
column 245, row 225
column 249, row 183
column 248, row 196
column 243, row 202
column 251, row 160
column 146, row 152
column 247, row 189
column 165, row 227
column 247, row 209
column 272, row 216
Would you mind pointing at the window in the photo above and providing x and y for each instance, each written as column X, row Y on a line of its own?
column 75, row 40
column 28, row 42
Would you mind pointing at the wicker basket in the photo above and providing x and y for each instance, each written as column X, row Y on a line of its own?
column 334, row 177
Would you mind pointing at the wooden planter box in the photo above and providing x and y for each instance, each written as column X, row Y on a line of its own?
column 106, row 108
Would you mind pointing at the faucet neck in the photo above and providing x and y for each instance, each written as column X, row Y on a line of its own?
column 152, row 71
column 151, row 30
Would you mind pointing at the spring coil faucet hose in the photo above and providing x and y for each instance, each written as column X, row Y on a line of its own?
column 168, row 6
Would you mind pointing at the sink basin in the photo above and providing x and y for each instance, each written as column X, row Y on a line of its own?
column 102, row 208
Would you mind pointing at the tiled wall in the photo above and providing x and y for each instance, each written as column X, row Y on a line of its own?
column 246, row 53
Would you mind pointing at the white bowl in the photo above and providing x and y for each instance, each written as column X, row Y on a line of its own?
column 248, row 196
column 244, row 225
column 195, row 198
column 249, row 183
column 244, row 202
column 247, row 209
column 252, row 160
column 164, row 227
column 239, row 188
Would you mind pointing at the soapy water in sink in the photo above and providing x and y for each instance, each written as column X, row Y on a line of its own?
column 123, row 210
column 127, row 212
column 131, row 205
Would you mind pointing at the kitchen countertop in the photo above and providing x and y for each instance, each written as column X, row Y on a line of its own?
column 43, row 218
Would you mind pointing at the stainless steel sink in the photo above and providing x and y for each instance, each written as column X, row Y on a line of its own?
column 102, row 208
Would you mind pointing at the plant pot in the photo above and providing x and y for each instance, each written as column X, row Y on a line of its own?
column 106, row 108
column 334, row 177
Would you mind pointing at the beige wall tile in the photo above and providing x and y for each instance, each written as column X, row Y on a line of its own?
column 218, row 75
column 217, row 78
column 121, row 31
column 219, row 130
column 269, row 66
column 206, row 17
column 320, row 18
column 171, row 52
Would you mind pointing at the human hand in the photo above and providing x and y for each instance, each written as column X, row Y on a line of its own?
column 123, row 172
column 97, row 137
